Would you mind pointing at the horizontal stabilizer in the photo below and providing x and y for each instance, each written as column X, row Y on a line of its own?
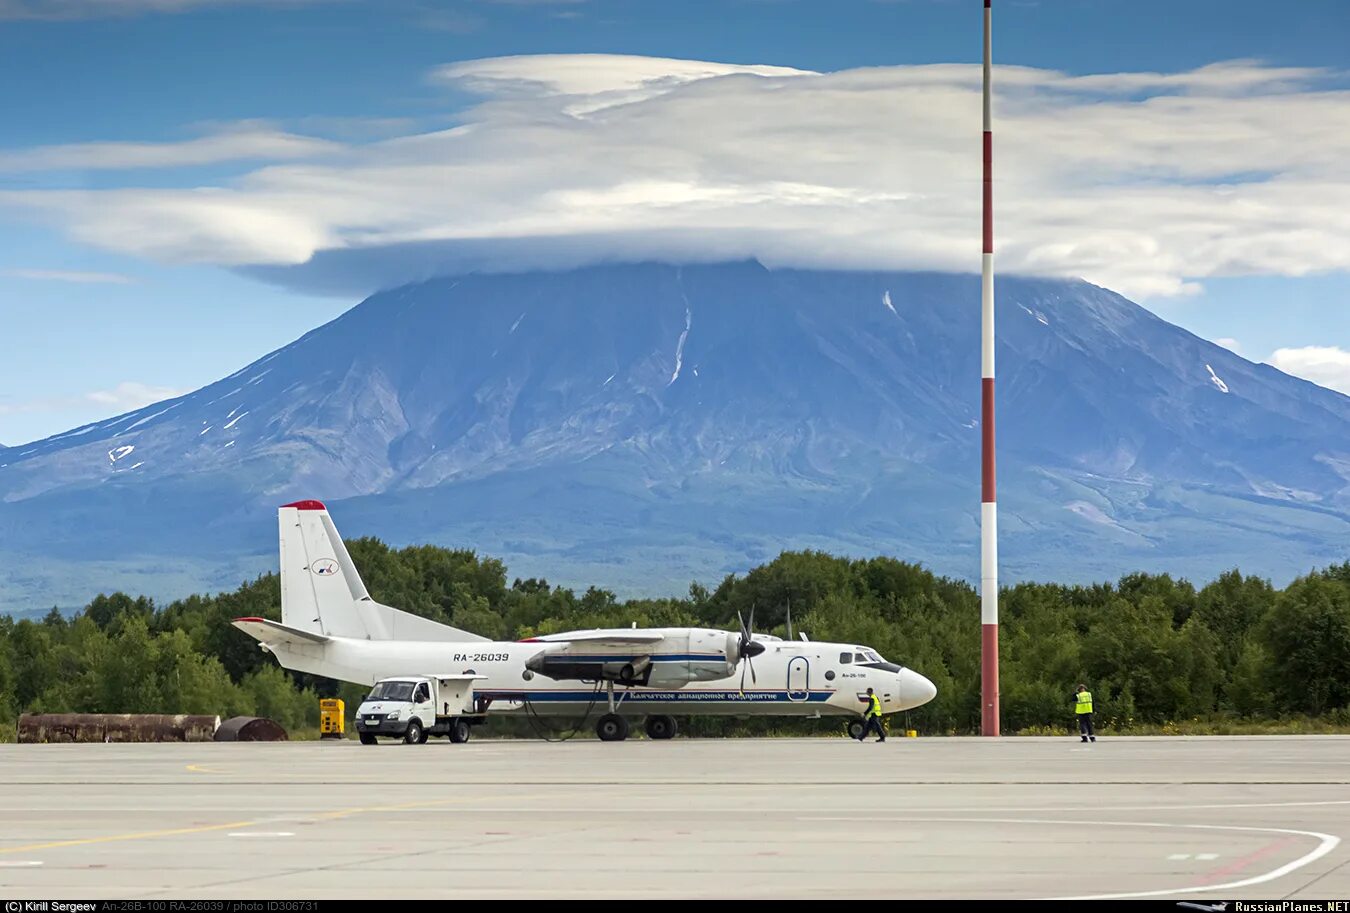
column 274, row 632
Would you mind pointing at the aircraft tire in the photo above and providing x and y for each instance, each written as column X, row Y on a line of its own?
column 611, row 728
column 414, row 734
column 661, row 727
column 855, row 729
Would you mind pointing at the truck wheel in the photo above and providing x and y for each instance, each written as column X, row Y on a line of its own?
column 460, row 730
column 414, row 734
column 855, row 729
column 661, row 727
column 612, row 728
column 425, row 736
column 367, row 739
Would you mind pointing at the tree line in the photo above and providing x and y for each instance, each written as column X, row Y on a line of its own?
column 1152, row 648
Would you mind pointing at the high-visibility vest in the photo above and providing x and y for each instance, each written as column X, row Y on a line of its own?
column 1084, row 704
column 875, row 708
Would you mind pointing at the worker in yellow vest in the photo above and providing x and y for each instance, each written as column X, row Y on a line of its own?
column 872, row 714
column 1082, row 705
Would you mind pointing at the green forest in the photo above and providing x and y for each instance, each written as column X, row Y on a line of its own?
column 1158, row 653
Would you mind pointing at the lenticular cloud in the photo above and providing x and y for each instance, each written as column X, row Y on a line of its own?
column 1146, row 182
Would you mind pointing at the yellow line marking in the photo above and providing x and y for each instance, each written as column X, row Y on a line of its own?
column 199, row 769
column 143, row 835
column 148, row 835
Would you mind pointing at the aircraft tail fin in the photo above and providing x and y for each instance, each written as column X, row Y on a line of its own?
column 322, row 593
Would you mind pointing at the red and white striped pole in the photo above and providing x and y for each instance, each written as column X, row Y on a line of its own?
column 988, row 502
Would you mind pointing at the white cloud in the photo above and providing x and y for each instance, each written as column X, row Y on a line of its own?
column 1328, row 366
column 1143, row 182
column 240, row 142
column 1230, row 344
column 130, row 395
column 590, row 74
column 124, row 397
column 61, row 275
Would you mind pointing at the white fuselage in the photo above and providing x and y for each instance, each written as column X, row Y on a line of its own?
column 792, row 678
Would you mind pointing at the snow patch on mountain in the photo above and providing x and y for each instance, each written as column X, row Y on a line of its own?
column 679, row 346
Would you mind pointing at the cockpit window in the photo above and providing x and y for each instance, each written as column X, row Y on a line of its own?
column 845, row 657
column 392, row 691
column 859, row 658
column 872, row 656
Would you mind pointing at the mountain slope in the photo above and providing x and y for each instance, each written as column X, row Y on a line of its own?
column 636, row 425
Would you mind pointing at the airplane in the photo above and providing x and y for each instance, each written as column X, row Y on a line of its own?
column 330, row 626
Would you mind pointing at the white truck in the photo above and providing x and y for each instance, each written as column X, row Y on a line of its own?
column 415, row 707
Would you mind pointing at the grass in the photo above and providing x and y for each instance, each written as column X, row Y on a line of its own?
column 1336, row 723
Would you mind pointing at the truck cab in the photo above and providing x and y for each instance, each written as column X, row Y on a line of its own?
column 413, row 708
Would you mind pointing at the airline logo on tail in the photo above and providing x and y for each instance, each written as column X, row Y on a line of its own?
column 324, row 567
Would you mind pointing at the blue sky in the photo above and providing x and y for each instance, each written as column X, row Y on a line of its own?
column 104, row 306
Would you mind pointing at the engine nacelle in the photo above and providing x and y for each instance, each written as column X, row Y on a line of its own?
column 681, row 657
column 562, row 664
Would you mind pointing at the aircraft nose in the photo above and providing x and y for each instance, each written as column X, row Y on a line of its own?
column 915, row 689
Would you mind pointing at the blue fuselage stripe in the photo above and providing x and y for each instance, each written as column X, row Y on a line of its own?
column 645, row 696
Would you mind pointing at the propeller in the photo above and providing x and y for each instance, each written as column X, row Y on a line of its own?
column 748, row 647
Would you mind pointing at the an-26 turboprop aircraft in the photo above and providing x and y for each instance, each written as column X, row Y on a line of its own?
column 331, row 627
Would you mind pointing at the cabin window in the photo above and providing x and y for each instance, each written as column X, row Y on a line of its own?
column 845, row 657
column 421, row 694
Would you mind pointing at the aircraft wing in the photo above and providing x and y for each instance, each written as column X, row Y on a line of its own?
column 267, row 631
column 616, row 637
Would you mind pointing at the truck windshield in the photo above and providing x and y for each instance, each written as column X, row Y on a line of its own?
column 392, row 691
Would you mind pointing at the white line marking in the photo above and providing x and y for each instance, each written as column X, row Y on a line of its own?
column 20, row 864
column 1105, row 808
column 1206, row 855
column 1180, row 856
column 1327, row 843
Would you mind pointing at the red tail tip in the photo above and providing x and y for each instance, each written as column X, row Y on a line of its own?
column 306, row 505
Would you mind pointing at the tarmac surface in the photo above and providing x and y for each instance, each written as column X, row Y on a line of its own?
column 1190, row 818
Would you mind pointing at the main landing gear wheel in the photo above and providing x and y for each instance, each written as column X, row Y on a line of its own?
column 460, row 731
column 612, row 728
column 367, row 739
column 661, row 727
column 414, row 734
column 855, row 729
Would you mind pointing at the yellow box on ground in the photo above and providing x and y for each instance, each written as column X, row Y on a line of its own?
column 332, row 718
